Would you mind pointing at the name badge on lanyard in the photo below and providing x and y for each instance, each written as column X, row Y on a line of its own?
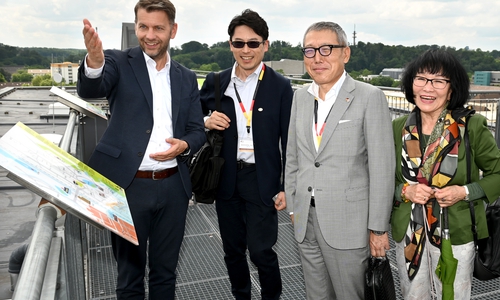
column 246, row 144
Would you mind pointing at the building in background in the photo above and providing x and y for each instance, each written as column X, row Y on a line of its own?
column 486, row 78
column 129, row 39
column 39, row 72
column 68, row 71
column 394, row 73
column 290, row 67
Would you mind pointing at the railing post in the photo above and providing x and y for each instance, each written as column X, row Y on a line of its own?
column 33, row 270
column 497, row 125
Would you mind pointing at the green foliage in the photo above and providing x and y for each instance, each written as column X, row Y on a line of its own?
column 6, row 75
column 22, row 76
column 382, row 81
column 366, row 58
column 213, row 67
column 44, row 80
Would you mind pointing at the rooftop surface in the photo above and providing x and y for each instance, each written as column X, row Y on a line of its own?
column 201, row 271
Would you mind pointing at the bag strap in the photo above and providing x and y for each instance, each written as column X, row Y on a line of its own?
column 217, row 146
column 217, row 91
column 471, row 203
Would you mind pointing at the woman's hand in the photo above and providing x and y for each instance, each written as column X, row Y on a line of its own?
column 449, row 195
column 419, row 193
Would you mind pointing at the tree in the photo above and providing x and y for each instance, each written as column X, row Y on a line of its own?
column 2, row 78
column 382, row 81
column 6, row 74
column 193, row 46
column 22, row 76
column 44, row 80
column 213, row 67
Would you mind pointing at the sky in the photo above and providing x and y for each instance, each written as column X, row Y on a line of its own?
column 452, row 23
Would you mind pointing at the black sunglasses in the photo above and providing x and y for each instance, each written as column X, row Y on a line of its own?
column 250, row 44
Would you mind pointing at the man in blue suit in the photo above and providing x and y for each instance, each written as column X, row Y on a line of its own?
column 256, row 103
column 156, row 120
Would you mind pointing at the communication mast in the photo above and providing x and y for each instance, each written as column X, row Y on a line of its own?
column 354, row 36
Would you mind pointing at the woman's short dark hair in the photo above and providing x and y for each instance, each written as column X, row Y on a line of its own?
column 251, row 19
column 436, row 61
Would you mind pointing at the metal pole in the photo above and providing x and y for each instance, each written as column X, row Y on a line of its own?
column 68, row 133
column 29, row 285
column 497, row 125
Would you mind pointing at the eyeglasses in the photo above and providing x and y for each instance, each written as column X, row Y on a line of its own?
column 324, row 50
column 250, row 44
column 436, row 83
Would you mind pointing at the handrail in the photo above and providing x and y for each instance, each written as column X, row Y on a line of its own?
column 32, row 276
column 30, row 282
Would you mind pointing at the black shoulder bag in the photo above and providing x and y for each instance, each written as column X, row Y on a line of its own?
column 205, row 166
column 487, row 259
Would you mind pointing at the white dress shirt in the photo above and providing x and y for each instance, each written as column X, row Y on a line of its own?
column 162, row 112
column 246, row 90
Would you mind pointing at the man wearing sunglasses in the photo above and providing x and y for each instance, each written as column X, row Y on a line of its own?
column 256, row 103
column 339, row 169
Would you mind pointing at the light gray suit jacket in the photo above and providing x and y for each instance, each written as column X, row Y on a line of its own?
column 352, row 173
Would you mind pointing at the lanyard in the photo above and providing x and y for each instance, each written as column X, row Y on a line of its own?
column 319, row 134
column 248, row 115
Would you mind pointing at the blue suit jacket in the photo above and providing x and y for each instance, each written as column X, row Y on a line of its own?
column 125, row 83
column 270, row 118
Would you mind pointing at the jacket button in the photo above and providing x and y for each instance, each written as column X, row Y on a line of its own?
column 309, row 189
column 140, row 154
column 317, row 164
column 148, row 131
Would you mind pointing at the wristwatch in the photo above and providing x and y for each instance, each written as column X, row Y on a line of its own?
column 187, row 151
column 378, row 232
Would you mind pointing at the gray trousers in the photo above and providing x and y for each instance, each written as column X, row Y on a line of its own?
column 331, row 273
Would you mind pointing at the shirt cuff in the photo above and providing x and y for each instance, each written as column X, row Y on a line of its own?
column 90, row 72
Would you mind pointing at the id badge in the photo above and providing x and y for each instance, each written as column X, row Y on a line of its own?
column 246, row 145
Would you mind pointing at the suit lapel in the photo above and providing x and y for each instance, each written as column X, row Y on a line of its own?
column 342, row 103
column 138, row 66
column 308, row 110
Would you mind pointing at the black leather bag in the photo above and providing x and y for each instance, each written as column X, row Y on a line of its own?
column 487, row 259
column 205, row 166
column 379, row 283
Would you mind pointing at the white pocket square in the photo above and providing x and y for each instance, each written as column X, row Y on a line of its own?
column 344, row 121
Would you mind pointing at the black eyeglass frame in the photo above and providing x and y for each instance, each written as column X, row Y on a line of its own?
column 318, row 50
column 432, row 82
column 250, row 44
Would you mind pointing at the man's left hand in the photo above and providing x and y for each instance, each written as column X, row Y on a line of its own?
column 379, row 244
column 176, row 147
column 280, row 202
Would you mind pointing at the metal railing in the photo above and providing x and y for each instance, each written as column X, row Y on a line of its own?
column 44, row 274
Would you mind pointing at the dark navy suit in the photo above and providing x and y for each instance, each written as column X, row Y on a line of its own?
column 158, row 207
column 246, row 213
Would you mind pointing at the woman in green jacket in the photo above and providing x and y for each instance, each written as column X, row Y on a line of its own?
column 431, row 174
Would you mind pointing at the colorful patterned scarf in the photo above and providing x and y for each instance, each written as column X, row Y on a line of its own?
column 435, row 168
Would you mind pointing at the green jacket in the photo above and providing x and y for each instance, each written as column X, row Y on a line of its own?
column 485, row 156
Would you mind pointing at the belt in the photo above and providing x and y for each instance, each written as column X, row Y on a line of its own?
column 313, row 204
column 242, row 164
column 156, row 175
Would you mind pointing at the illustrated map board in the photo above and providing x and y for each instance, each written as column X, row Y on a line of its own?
column 78, row 104
column 37, row 164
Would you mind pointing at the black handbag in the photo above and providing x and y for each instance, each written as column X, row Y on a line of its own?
column 205, row 166
column 487, row 257
column 379, row 283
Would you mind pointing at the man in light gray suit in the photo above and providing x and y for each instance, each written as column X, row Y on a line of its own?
column 339, row 176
